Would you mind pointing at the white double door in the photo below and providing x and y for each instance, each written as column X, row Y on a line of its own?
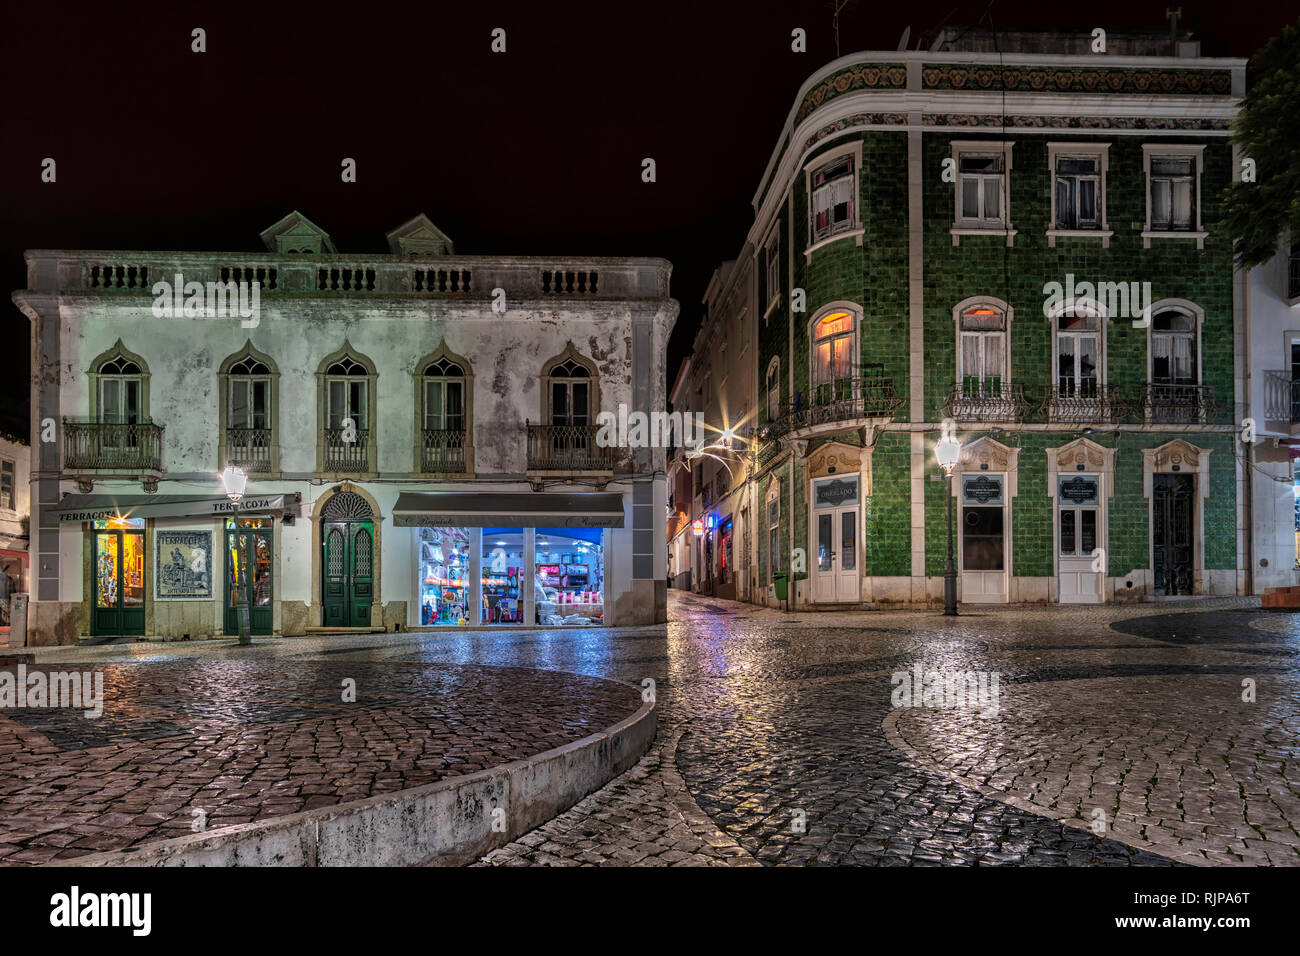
column 837, row 548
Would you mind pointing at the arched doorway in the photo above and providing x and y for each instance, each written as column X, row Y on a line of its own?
column 347, row 560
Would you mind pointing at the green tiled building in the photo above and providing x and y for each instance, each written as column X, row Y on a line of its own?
column 1019, row 247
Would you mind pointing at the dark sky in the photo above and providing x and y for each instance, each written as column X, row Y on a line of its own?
column 534, row 152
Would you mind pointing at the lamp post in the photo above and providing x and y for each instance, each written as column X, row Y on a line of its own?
column 235, row 480
column 947, row 451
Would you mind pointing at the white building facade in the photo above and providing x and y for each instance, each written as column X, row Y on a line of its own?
column 1273, row 332
column 419, row 431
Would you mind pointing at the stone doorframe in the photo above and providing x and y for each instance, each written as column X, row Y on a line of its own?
column 376, row 605
column 1068, row 458
column 1178, row 457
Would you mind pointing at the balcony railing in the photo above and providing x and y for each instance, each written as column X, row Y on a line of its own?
column 347, row 456
column 1179, row 404
column 442, row 450
column 844, row 400
column 131, row 447
column 985, row 400
column 249, row 448
column 567, row 448
column 1085, row 403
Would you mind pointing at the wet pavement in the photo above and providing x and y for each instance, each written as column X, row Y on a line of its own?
column 1151, row 735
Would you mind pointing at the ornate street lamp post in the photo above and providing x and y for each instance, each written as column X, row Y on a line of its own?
column 947, row 451
column 235, row 480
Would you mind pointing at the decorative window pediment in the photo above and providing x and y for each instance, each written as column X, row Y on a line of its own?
column 419, row 237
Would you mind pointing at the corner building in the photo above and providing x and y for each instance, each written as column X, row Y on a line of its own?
column 908, row 227
column 418, row 428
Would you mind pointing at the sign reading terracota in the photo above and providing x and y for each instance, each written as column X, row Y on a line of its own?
column 103, row 507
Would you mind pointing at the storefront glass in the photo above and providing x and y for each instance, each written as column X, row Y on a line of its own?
column 444, row 576
column 501, row 567
column 568, row 586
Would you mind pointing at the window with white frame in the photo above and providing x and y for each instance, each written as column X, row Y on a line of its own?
column 249, row 388
column 1173, row 191
column 1078, row 354
column 570, row 393
column 1078, row 186
column 347, row 395
column 444, row 396
column 1173, row 349
column 120, row 388
column 982, row 352
column 833, row 197
column 7, row 474
column 773, row 267
column 774, row 390
column 982, row 180
column 834, row 351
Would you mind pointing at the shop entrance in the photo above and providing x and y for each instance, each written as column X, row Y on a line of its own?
column 118, row 577
column 983, row 531
column 253, row 538
column 1172, row 519
column 836, row 575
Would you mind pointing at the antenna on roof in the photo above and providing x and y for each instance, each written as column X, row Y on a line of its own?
column 839, row 5
column 902, row 41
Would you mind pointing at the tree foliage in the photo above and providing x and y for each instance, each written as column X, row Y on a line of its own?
column 1256, row 215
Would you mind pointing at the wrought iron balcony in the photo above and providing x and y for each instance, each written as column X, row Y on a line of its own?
column 842, row 401
column 249, row 448
column 567, row 449
column 1085, row 403
column 1179, row 404
column 986, row 400
column 347, row 456
column 132, row 448
column 442, row 450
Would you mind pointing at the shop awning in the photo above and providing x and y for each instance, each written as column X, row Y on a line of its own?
column 103, row 507
column 456, row 509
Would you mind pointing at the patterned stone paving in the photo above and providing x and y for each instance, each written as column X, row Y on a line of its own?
column 245, row 740
column 778, row 744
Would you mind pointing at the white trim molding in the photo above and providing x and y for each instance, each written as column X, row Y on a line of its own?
column 1101, row 153
column 968, row 227
column 1196, row 151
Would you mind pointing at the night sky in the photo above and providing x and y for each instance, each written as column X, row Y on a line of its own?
column 534, row 152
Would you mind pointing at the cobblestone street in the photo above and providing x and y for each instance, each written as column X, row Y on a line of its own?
column 778, row 743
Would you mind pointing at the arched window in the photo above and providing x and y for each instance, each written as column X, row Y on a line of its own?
column 774, row 390
column 444, row 396
column 1079, row 342
column 1173, row 348
column 570, row 393
column 249, row 394
column 347, row 393
column 982, row 351
column 121, row 390
column 834, row 354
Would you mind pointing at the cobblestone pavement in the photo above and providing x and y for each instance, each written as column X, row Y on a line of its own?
column 244, row 740
column 778, row 743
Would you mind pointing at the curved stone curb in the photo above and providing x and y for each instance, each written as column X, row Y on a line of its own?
column 1181, row 854
column 447, row 823
column 700, row 823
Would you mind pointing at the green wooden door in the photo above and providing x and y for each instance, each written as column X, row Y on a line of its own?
column 257, row 544
column 347, row 568
column 118, row 583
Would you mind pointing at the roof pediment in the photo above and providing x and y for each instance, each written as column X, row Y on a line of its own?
column 296, row 233
column 419, row 237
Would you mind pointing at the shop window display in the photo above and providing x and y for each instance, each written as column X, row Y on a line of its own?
column 444, row 576
column 501, row 567
column 568, row 586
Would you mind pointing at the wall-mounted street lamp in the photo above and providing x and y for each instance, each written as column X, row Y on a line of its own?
column 235, row 480
column 947, row 451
